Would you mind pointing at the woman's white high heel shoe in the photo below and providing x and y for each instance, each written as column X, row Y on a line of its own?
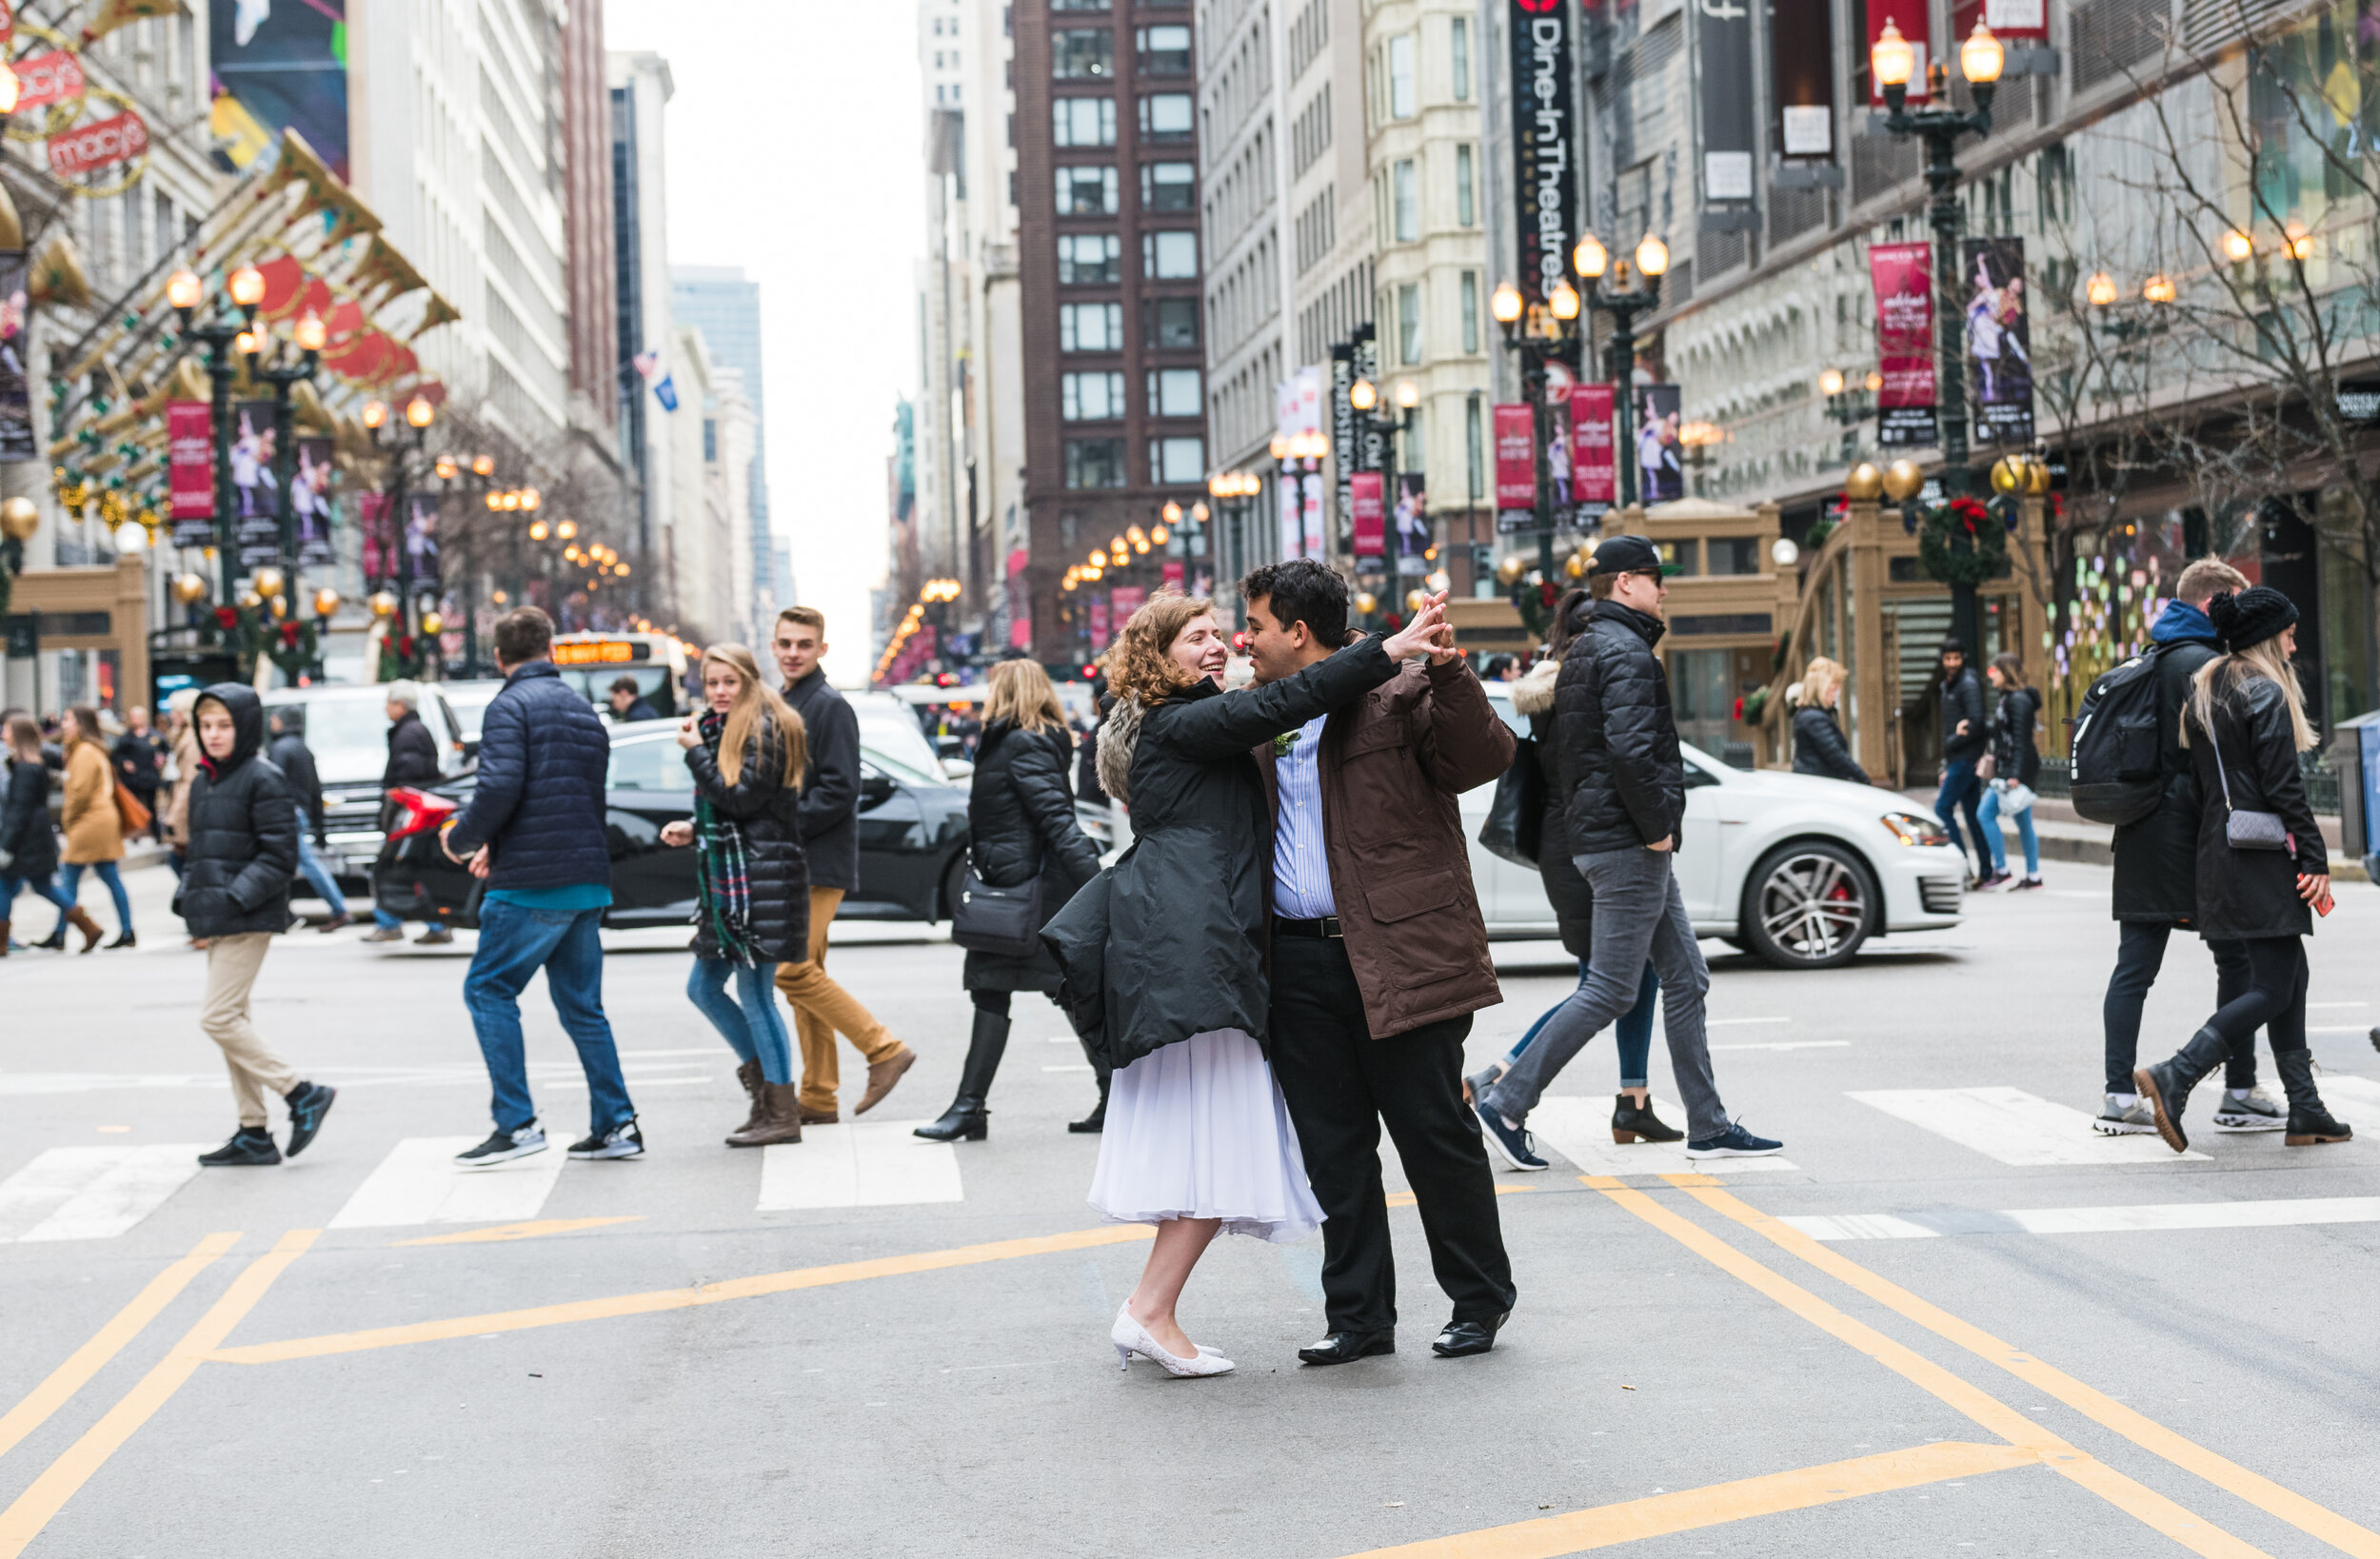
column 1131, row 1337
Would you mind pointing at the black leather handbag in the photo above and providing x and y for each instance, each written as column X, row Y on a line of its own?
column 1516, row 817
column 1003, row 921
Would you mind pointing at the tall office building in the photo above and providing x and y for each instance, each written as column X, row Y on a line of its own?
column 718, row 301
column 640, row 88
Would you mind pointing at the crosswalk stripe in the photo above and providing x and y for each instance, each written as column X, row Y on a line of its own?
column 92, row 1192
column 857, row 1164
column 2154, row 1216
column 1580, row 1131
column 420, row 1182
column 2014, row 1127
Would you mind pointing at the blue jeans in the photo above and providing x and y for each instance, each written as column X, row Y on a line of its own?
column 10, row 885
column 514, row 943
column 1958, row 789
column 1989, row 814
column 73, row 875
column 1634, row 1031
column 319, row 875
column 755, row 1031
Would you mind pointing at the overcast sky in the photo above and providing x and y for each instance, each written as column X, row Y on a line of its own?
column 793, row 152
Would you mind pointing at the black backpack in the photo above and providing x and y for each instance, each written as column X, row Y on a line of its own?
column 2119, row 773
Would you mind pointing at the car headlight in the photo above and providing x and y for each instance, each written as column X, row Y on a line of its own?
column 1914, row 828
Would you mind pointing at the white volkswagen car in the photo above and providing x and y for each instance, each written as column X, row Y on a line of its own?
column 1796, row 869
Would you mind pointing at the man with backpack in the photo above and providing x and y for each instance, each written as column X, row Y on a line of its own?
column 2130, row 769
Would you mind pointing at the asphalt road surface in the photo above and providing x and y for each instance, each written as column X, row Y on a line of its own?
column 1948, row 1321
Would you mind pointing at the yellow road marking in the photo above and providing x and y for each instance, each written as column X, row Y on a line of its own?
column 23, row 1520
column 666, row 1299
column 2313, row 1519
column 108, row 1341
column 1688, row 1510
column 1405, row 1198
column 519, row 1231
column 2133, row 1498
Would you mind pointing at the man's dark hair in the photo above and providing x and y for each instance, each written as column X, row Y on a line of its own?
column 626, row 685
column 287, row 720
column 523, row 634
column 1301, row 590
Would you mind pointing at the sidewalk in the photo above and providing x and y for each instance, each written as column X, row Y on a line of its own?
column 2065, row 836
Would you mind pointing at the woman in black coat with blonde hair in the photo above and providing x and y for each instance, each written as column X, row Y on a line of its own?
column 1021, row 829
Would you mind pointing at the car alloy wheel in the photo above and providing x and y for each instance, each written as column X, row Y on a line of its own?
column 1808, row 906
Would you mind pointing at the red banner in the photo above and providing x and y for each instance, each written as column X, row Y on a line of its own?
column 1903, row 277
column 1593, row 476
column 1099, row 625
column 1516, row 457
column 1173, row 572
column 1363, row 494
column 190, row 459
column 44, row 79
column 1910, row 17
column 100, row 144
column 1127, row 599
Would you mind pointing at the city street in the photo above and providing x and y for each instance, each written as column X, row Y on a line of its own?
column 1949, row 1320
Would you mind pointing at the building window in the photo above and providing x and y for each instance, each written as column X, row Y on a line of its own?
column 1091, row 328
column 1083, row 122
column 1401, row 93
column 1165, row 116
column 710, row 441
column 1090, row 397
column 1466, row 187
column 1177, row 461
column 1409, row 324
column 1087, row 258
column 1077, row 5
column 1735, row 554
column 1414, row 441
column 1405, row 201
column 1169, row 256
column 1458, row 57
column 1470, row 311
column 1164, row 50
column 1473, row 448
column 1083, row 53
column 1168, row 323
column 1175, row 392
column 1095, row 463
column 1087, row 191
column 1168, row 187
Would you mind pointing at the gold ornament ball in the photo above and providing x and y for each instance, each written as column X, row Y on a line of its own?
column 2036, row 476
column 1902, row 479
column 189, row 590
column 1509, row 571
column 1415, row 601
column 1865, row 482
column 280, row 606
column 19, row 519
column 249, row 600
column 433, row 625
column 383, row 605
column 267, row 583
column 326, row 602
column 1575, row 566
column 1366, row 603
column 2007, row 474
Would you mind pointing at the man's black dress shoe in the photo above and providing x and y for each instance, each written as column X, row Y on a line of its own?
column 1461, row 1338
column 1346, row 1347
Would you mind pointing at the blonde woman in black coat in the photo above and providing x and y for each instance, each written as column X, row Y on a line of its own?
column 1020, row 827
column 746, row 752
column 1818, row 744
column 2245, row 724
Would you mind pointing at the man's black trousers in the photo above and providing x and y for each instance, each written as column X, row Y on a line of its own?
column 1341, row 1084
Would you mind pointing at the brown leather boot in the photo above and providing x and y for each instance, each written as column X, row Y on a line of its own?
column 780, row 1118
column 748, row 1074
column 88, row 927
column 882, row 1075
column 4, row 939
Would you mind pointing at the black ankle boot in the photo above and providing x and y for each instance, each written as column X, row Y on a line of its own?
column 966, row 1118
column 2309, row 1123
column 2167, row 1085
column 1633, row 1122
column 1096, row 1120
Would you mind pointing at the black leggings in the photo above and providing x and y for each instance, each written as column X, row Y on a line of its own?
column 2139, row 954
column 2275, row 996
column 994, row 1003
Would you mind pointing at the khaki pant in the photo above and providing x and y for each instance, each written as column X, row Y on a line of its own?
column 821, row 1008
column 231, row 966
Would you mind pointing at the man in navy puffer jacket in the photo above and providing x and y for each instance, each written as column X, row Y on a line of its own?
column 534, row 831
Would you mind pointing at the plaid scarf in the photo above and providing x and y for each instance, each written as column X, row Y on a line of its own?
column 722, row 863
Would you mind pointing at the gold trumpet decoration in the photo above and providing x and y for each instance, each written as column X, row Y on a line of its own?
column 58, row 275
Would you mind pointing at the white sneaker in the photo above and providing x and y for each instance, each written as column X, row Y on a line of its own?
column 2134, row 1119
column 2255, row 1111
column 503, row 1147
column 1131, row 1337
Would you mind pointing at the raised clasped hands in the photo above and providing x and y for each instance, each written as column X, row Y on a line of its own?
column 1428, row 633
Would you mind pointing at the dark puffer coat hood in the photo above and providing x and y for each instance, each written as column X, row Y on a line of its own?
column 1020, row 825
column 26, row 836
column 1621, row 775
column 769, row 813
column 243, row 830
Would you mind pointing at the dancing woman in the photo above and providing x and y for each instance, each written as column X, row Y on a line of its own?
column 1162, row 957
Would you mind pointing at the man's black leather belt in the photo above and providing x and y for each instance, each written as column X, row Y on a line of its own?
column 1326, row 928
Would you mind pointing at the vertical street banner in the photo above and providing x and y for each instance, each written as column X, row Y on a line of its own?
column 1126, row 600
column 1370, row 521
column 276, row 68
column 377, row 550
column 421, row 540
column 1903, row 279
column 1545, row 190
column 1723, row 43
column 1801, row 47
column 1910, row 17
column 309, row 496
column 190, row 471
column 1999, row 338
column 1413, row 525
column 1173, row 573
column 1285, row 487
column 1594, row 478
column 1343, row 435
column 256, row 511
column 1372, row 453
column 16, row 390
column 1315, row 541
column 1661, row 454
column 1099, row 623
column 1516, row 469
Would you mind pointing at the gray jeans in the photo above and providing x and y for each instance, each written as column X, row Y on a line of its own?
column 1638, row 912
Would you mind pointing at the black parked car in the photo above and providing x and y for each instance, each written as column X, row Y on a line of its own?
column 913, row 840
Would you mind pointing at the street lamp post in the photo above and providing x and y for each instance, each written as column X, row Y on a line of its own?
column 419, row 414
column 220, row 332
column 1365, row 398
column 1623, row 300
column 1538, row 338
column 1940, row 125
column 283, row 377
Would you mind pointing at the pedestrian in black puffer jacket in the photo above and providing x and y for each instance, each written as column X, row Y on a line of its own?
column 28, row 842
column 1818, row 744
column 235, row 893
column 1622, row 777
column 412, row 751
column 747, row 753
column 1020, row 828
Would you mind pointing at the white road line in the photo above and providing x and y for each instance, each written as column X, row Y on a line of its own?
column 1580, row 1131
column 92, row 1192
column 2016, row 1127
column 1724, row 1022
column 859, row 1164
column 2357, row 1097
column 420, row 1182
column 2339, row 1028
column 2091, row 1220
column 1070, row 1066
column 2318, row 1006
column 1789, row 1044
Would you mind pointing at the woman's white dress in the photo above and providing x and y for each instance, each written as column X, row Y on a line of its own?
column 1199, row 1130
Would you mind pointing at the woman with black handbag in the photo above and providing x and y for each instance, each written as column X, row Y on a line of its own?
column 2262, row 873
column 1022, row 834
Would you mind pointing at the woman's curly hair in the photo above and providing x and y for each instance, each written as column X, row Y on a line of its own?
column 1138, row 665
